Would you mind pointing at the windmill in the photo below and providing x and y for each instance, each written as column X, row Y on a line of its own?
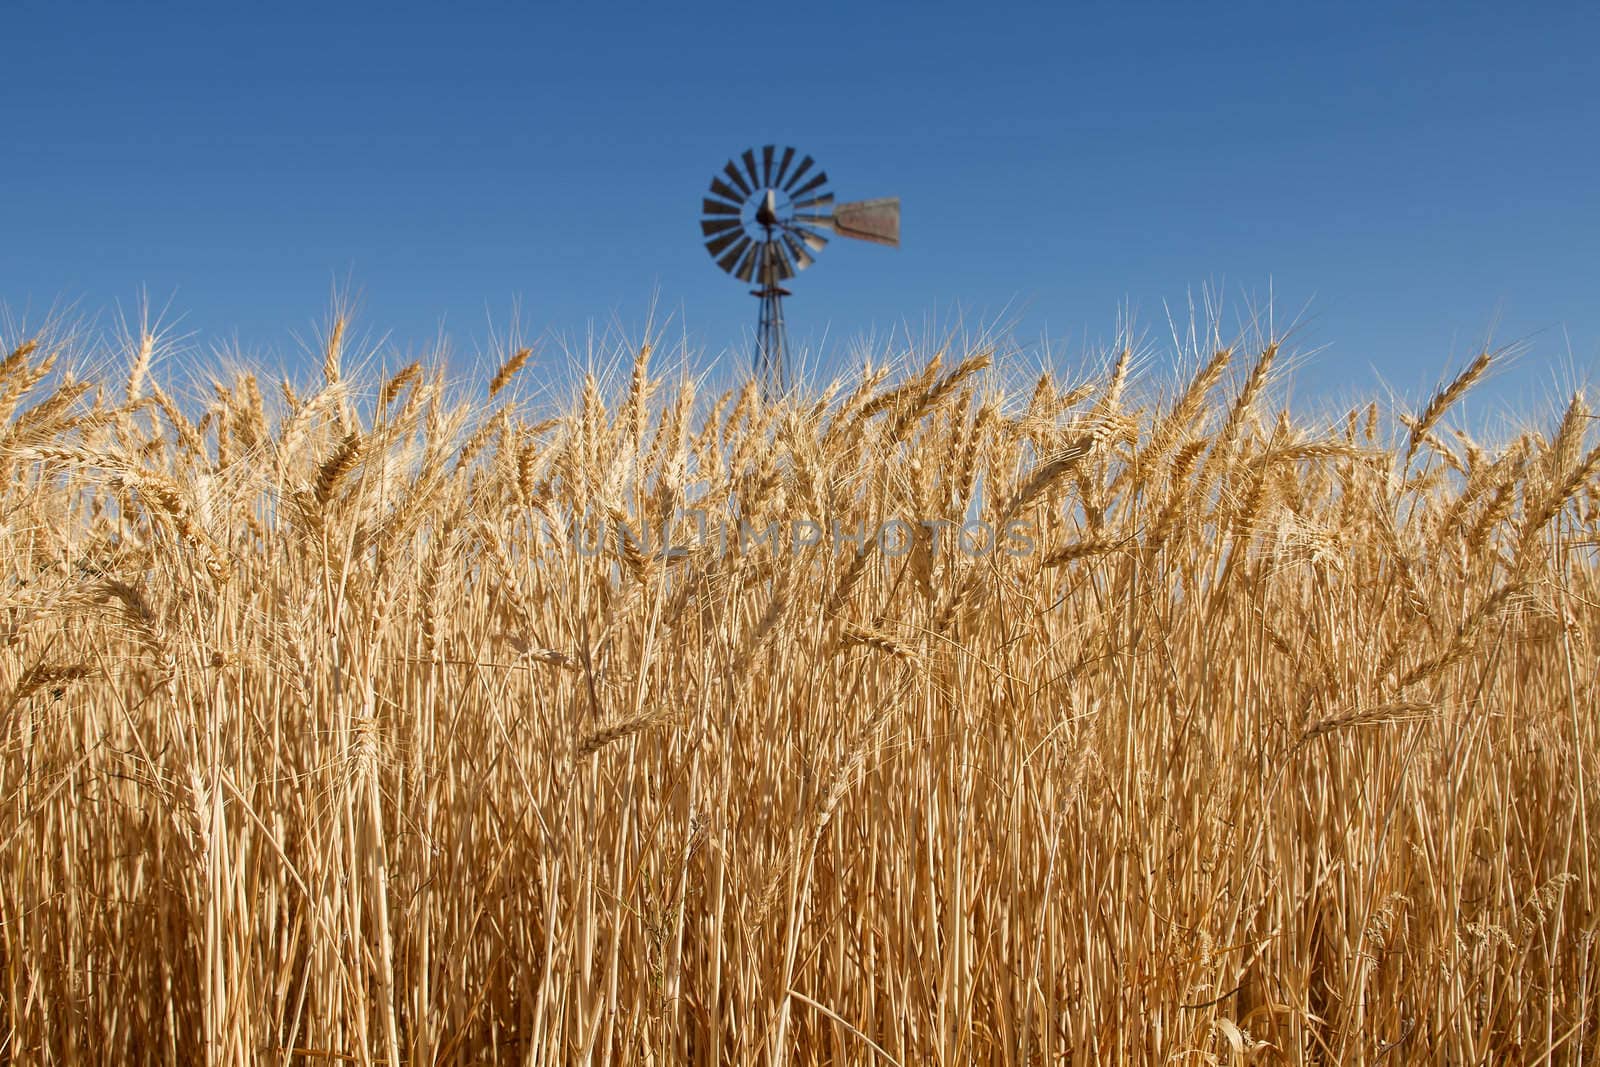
column 764, row 222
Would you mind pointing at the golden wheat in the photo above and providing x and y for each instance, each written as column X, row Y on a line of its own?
column 333, row 733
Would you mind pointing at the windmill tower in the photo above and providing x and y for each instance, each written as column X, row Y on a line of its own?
column 764, row 222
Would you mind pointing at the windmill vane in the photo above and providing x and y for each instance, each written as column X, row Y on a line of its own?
column 764, row 219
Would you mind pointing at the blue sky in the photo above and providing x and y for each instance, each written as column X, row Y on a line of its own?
column 1411, row 179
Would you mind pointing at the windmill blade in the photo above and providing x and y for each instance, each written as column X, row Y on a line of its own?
column 750, row 167
column 815, row 201
column 783, row 167
column 712, row 227
column 814, row 240
column 724, row 190
column 738, row 180
column 766, row 166
column 797, row 252
column 870, row 220
column 717, row 244
column 780, row 259
column 747, row 265
column 799, row 172
column 814, row 183
column 731, row 259
column 717, row 207
column 772, row 265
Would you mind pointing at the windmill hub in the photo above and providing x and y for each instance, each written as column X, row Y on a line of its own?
column 781, row 236
column 767, row 213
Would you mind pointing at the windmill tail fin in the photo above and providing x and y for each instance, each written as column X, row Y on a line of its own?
column 870, row 220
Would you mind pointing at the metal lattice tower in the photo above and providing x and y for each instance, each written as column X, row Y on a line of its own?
column 772, row 343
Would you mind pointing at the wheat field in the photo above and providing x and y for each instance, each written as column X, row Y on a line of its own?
column 367, row 720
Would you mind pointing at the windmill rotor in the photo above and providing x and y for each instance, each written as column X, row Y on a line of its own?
column 761, row 210
column 765, row 217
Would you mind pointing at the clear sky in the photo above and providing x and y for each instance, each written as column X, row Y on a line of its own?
column 1410, row 178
